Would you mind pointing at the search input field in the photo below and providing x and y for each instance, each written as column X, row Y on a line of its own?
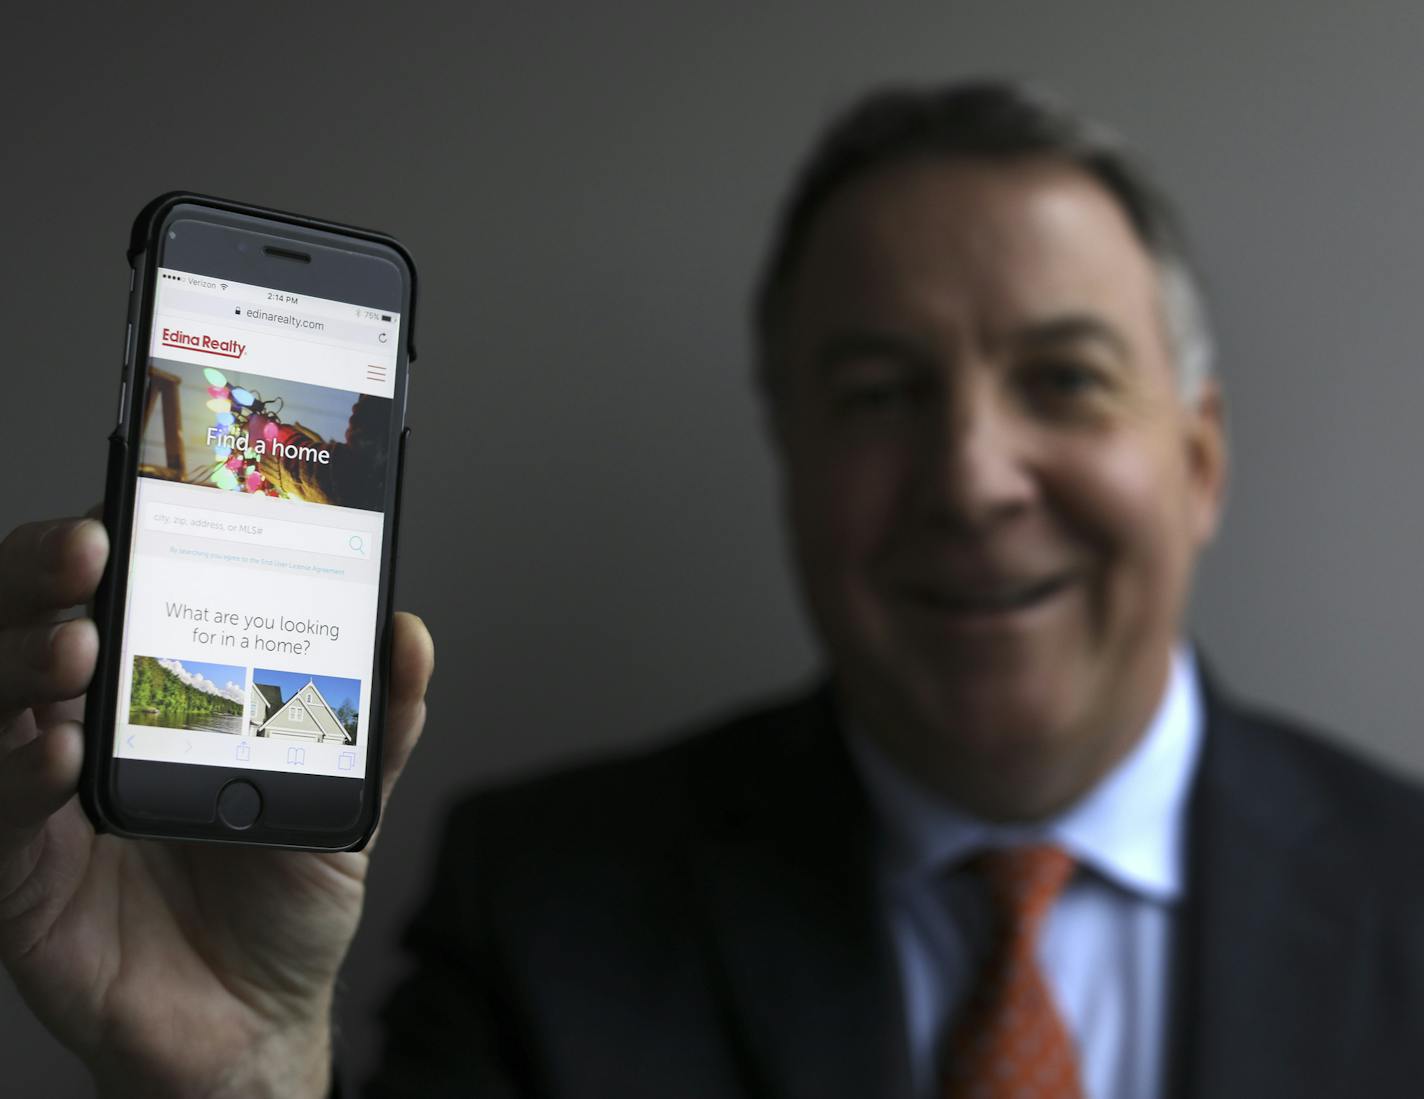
column 271, row 534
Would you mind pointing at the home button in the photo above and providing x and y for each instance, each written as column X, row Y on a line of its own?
column 239, row 804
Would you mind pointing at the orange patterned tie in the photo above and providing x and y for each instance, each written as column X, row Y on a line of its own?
column 1010, row 1040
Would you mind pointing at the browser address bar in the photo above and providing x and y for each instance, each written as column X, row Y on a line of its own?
column 290, row 322
column 272, row 534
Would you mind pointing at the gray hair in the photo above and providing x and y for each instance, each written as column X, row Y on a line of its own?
column 989, row 119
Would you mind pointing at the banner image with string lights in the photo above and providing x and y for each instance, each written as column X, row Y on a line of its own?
column 235, row 431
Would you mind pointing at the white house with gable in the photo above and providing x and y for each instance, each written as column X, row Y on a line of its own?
column 265, row 698
column 306, row 716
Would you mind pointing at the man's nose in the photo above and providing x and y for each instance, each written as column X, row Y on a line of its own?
column 978, row 466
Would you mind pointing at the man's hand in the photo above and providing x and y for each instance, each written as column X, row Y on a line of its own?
column 172, row 969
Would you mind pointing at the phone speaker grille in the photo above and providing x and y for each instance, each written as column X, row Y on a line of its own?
column 286, row 253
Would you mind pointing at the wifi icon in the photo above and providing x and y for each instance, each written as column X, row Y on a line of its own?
column 223, row 285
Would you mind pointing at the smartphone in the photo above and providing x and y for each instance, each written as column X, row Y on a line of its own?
column 252, row 503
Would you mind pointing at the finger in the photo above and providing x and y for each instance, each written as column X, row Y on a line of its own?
column 48, row 567
column 412, row 664
column 18, row 732
column 45, row 663
column 52, row 713
column 37, row 779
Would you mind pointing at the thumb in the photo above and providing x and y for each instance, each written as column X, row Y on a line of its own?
column 412, row 663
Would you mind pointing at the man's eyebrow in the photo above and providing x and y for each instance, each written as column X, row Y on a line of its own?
column 1074, row 328
column 868, row 344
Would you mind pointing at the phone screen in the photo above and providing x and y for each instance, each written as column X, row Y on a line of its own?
column 251, row 614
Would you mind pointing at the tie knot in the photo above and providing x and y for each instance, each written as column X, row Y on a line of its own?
column 1024, row 881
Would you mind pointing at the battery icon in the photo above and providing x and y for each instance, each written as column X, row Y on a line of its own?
column 386, row 317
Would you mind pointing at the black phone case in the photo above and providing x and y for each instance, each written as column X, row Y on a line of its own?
column 119, row 487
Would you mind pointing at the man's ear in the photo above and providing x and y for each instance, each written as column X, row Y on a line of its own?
column 1208, row 459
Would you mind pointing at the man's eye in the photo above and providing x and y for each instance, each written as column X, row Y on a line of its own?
column 1065, row 379
column 875, row 392
column 866, row 396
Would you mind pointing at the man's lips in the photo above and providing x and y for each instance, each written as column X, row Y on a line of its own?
column 985, row 598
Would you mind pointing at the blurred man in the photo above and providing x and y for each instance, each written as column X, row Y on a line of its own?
column 1017, row 843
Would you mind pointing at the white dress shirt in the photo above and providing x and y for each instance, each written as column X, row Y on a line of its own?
column 1105, row 947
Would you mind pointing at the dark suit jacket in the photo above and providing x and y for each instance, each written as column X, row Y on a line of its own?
column 701, row 921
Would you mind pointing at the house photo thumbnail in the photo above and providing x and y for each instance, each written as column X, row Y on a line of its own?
column 301, row 706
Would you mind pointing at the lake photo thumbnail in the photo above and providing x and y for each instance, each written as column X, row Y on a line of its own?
column 187, row 694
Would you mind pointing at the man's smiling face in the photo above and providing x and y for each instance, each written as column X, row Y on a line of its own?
column 995, row 487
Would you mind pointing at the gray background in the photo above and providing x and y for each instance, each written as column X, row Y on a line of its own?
column 591, row 527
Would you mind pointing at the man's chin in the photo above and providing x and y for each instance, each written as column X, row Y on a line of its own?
column 992, row 720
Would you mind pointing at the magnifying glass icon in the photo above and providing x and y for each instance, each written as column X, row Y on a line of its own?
column 357, row 544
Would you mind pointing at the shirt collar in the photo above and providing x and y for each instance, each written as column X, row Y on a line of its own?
column 1130, row 828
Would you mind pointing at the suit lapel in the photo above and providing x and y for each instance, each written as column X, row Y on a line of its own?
column 797, row 942
column 1272, row 925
